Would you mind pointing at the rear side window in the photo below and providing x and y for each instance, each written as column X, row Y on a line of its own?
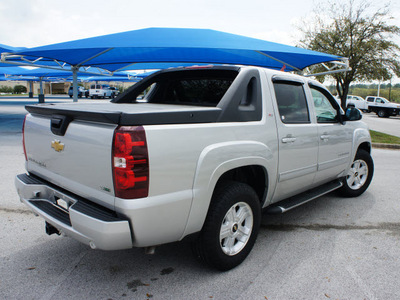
column 292, row 103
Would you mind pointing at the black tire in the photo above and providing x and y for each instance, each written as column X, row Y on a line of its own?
column 359, row 176
column 382, row 113
column 210, row 246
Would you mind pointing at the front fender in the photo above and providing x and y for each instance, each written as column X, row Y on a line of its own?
column 214, row 161
column 360, row 135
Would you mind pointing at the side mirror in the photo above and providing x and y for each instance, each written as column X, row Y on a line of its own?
column 352, row 114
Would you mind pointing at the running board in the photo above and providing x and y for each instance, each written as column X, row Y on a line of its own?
column 295, row 201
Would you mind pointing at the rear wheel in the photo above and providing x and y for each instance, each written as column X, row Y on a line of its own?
column 359, row 176
column 382, row 113
column 231, row 226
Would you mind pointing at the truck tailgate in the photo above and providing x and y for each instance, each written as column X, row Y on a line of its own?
column 78, row 161
column 70, row 145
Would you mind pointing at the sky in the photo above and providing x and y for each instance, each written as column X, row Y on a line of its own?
column 30, row 23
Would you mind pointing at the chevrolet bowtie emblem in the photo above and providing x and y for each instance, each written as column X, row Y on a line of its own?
column 57, row 145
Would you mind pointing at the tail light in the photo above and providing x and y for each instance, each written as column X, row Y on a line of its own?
column 130, row 163
column 23, row 138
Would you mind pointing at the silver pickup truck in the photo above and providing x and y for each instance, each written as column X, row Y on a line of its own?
column 202, row 155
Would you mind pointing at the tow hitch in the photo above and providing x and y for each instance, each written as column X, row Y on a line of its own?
column 50, row 229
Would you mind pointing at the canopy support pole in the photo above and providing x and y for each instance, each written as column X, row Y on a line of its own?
column 41, row 95
column 280, row 61
column 75, row 83
column 30, row 89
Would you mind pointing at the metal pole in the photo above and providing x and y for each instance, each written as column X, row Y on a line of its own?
column 41, row 95
column 30, row 89
column 379, row 88
column 75, row 83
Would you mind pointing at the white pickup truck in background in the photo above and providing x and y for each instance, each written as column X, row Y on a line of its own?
column 201, row 156
column 382, row 107
column 357, row 102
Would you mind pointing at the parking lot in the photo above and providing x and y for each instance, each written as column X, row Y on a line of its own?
column 386, row 125
column 331, row 248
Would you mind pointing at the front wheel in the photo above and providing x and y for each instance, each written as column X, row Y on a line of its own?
column 231, row 226
column 359, row 176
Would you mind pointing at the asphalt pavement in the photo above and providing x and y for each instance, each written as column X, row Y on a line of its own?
column 386, row 125
column 330, row 248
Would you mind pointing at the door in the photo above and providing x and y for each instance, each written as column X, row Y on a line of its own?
column 335, row 139
column 298, row 143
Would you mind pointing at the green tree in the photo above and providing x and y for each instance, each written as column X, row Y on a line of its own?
column 357, row 32
column 19, row 89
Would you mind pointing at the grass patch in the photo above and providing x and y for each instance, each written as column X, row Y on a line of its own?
column 379, row 137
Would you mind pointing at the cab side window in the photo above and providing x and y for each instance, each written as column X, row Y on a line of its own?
column 324, row 110
column 292, row 103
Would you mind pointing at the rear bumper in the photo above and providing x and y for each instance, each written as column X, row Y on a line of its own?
column 79, row 219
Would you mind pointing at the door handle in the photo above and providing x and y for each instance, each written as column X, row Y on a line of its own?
column 288, row 140
column 325, row 137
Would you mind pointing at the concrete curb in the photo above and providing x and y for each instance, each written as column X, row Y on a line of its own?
column 386, row 146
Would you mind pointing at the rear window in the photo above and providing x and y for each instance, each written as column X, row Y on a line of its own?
column 187, row 87
column 98, row 86
column 194, row 91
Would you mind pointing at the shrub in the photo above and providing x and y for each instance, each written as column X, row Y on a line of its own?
column 6, row 89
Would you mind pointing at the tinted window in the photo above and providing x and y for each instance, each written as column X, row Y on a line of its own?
column 292, row 102
column 183, row 86
column 324, row 109
column 199, row 91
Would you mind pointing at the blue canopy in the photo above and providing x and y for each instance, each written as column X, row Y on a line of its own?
column 176, row 45
column 6, row 48
column 19, row 73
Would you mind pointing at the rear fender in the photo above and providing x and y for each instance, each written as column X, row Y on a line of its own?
column 216, row 160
